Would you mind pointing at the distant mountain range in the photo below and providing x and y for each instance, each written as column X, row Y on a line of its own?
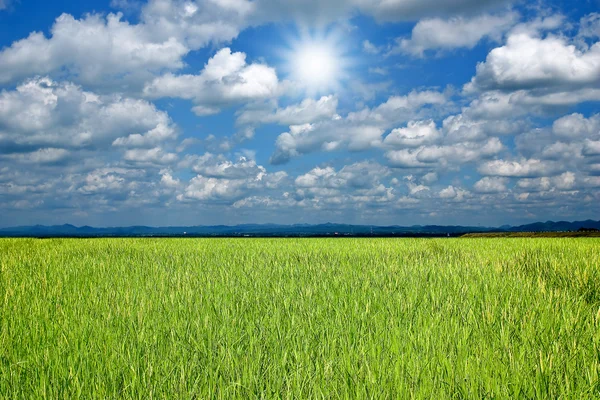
column 272, row 230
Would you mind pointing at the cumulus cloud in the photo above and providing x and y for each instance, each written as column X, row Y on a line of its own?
column 462, row 127
column 491, row 185
column 226, row 79
column 310, row 12
column 570, row 144
column 330, row 136
column 107, row 51
column 352, row 185
column 498, row 105
column 576, row 126
column 444, row 155
column 400, row 108
column 213, row 189
column 104, row 181
column 430, row 177
column 401, row 10
column 415, row 134
column 167, row 180
column 362, row 175
column 307, row 111
column 92, row 50
column 357, row 131
column 42, row 113
column 48, row 155
column 422, row 145
column 224, row 181
column 150, row 156
column 591, row 148
column 217, row 166
column 530, row 62
column 439, row 34
column 327, row 189
column 160, row 133
column 565, row 181
column 453, row 193
column 522, row 168
column 62, row 138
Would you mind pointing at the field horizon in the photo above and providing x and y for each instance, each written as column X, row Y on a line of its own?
column 584, row 228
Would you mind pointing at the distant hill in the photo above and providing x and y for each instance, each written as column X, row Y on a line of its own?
column 551, row 226
column 273, row 230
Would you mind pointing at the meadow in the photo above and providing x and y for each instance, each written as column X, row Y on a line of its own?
column 300, row 318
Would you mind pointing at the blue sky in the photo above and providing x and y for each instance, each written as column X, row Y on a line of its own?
column 196, row 112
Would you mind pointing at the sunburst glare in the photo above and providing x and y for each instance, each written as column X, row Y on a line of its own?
column 317, row 62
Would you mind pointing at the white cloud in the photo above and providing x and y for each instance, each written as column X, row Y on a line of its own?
column 456, row 32
column 169, row 181
column 401, row 10
column 460, row 152
column 126, row 5
column 311, row 12
column 399, row 108
column 497, row 105
column 103, row 181
column 308, row 111
column 461, row 140
column 359, row 130
column 221, row 180
column 491, row 185
column 453, row 193
column 362, row 175
column 435, row 156
column 523, row 168
column 42, row 113
column 569, row 144
column 370, row 48
column 330, row 136
column 93, row 50
column 415, row 189
column 197, row 22
column 108, row 52
column 159, row 134
column 416, row 134
column 214, row 189
column 213, row 166
column 591, row 148
column 354, row 184
column 226, row 79
column 378, row 71
column 589, row 26
column 565, row 181
column 530, row 62
column 150, row 156
column 48, row 155
column 460, row 128
column 448, row 193
column 430, row 178
column 576, row 126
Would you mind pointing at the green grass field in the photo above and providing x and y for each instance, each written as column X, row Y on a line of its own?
column 300, row 318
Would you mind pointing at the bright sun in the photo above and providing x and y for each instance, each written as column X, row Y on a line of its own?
column 316, row 63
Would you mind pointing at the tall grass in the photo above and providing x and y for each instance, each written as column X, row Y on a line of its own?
column 300, row 318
